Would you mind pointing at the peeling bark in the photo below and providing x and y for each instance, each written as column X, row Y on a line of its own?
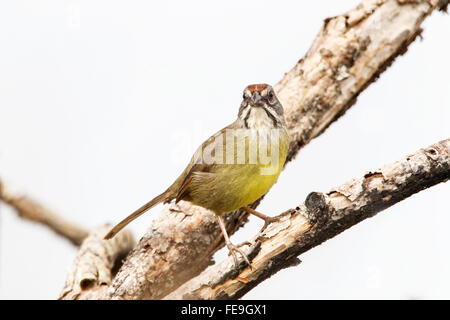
column 29, row 209
column 319, row 218
column 349, row 53
column 91, row 273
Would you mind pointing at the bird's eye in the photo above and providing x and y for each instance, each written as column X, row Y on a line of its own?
column 271, row 97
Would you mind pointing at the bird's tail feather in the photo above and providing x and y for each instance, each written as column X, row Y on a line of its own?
column 162, row 197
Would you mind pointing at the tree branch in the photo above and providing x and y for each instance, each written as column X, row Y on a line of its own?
column 29, row 209
column 320, row 218
column 349, row 53
column 91, row 273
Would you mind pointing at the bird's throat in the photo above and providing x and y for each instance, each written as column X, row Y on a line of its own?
column 260, row 118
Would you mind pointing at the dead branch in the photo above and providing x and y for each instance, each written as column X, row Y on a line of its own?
column 321, row 217
column 29, row 209
column 94, row 265
column 349, row 53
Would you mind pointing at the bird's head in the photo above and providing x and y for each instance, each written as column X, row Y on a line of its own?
column 260, row 107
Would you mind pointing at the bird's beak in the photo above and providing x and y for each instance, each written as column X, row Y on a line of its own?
column 256, row 98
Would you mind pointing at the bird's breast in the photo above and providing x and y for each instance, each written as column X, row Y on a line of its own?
column 232, row 185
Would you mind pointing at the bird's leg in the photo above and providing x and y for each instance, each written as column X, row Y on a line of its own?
column 267, row 220
column 231, row 247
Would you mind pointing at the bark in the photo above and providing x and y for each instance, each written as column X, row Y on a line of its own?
column 319, row 218
column 348, row 54
column 92, row 271
column 29, row 209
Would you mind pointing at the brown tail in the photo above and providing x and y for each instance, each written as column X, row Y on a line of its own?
column 162, row 197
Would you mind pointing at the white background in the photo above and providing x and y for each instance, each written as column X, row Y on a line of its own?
column 103, row 102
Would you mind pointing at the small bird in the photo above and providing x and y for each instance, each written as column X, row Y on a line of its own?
column 234, row 167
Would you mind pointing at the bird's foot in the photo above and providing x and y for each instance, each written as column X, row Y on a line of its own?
column 267, row 221
column 231, row 247
column 245, row 243
column 235, row 249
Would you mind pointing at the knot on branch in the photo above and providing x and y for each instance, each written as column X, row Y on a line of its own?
column 443, row 5
column 318, row 210
column 433, row 153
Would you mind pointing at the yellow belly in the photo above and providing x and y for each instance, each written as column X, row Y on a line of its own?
column 254, row 187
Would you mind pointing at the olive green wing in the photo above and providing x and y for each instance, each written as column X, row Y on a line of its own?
column 182, row 192
column 196, row 167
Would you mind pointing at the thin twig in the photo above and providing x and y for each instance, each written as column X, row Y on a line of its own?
column 29, row 209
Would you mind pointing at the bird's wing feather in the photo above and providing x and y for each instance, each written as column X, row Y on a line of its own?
column 187, row 180
column 199, row 169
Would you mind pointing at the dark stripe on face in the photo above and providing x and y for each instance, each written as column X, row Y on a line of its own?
column 247, row 116
column 271, row 116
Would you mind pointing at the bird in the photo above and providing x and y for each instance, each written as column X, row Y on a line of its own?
column 235, row 166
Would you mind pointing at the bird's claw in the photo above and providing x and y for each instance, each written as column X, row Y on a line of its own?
column 245, row 243
column 233, row 249
column 268, row 221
